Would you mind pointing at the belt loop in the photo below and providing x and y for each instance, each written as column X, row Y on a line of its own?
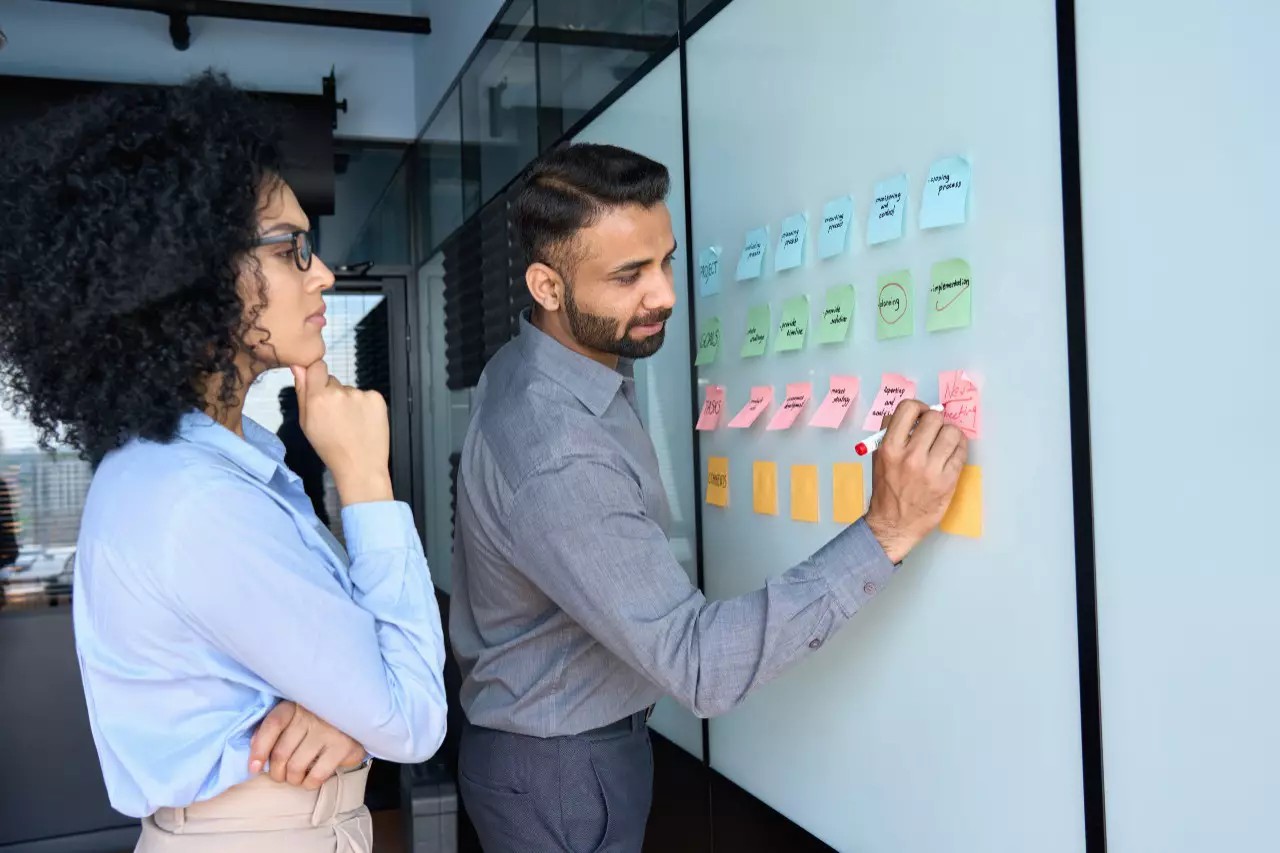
column 179, row 819
column 327, row 799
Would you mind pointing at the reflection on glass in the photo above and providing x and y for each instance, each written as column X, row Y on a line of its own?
column 41, row 499
column 693, row 7
column 384, row 238
column 500, row 104
column 440, row 176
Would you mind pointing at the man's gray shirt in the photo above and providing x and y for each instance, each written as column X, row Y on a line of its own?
column 569, row 610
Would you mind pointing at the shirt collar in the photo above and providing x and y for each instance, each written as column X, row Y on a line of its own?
column 260, row 452
column 588, row 380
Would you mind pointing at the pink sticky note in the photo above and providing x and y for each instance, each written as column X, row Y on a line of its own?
column 711, row 407
column 838, row 402
column 798, row 394
column 961, row 401
column 761, row 399
column 893, row 390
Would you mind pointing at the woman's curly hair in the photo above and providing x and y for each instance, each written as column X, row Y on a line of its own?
column 125, row 222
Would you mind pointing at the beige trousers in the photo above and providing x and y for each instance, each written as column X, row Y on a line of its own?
column 265, row 816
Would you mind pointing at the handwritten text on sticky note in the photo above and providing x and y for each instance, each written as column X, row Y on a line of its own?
column 709, row 271
column 761, row 399
column 893, row 390
column 893, row 305
column 950, row 296
column 798, row 394
column 795, row 229
column 888, row 214
column 708, row 341
column 712, row 406
column 794, row 324
column 837, row 316
column 718, row 481
column 946, row 192
column 837, row 225
column 751, row 261
column 838, row 402
column 756, row 341
column 961, row 402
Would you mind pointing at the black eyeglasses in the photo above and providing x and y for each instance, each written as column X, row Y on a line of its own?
column 303, row 248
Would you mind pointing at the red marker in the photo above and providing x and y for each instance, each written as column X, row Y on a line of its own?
column 872, row 442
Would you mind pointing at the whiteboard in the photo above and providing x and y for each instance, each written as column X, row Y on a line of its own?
column 946, row 715
column 646, row 119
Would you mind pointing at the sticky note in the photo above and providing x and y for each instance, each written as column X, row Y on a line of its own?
column 848, row 500
column 946, row 193
column 893, row 390
column 837, row 317
column 756, row 341
column 718, row 481
column 888, row 214
column 761, row 399
column 804, row 493
column 794, row 324
column 798, row 394
column 964, row 516
column 764, row 487
column 751, row 261
column 708, row 341
column 837, row 225
column 709, row 271
column 712, row 406
column 950, row 296
column 790, row 253
column 961, row 402
column 893, row 305
column 838, row 402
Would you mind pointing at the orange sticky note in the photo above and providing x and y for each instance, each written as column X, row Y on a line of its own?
column 804, row 493
column 718, row 481
column 964, row 516
column 764, row 479
column 847, row 492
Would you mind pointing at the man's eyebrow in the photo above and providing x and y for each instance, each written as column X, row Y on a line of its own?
column 629, row 266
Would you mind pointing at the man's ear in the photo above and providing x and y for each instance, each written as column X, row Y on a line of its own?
column 545, row 286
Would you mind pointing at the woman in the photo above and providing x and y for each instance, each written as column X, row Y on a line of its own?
column 153, row 264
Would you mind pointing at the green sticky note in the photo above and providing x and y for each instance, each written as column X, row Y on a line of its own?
column 757, row 339
column 893, row 305
column 837, row 317
column 950, row 296
column 794, row 324
column 708, row 341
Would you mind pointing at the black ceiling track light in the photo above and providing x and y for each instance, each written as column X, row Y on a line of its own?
column 180, row 13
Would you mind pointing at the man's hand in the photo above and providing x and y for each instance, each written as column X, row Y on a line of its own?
column 303, row 749
column 913, row 477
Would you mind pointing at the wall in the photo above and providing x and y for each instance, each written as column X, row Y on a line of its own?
column 1177, row 119
column 458, row 26
column 375, row 71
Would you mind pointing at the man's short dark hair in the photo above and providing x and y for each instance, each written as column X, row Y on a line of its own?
column 570, row 188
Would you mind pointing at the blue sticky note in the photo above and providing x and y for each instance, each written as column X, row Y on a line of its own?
column 888, row 211
column 751, row 262
column 709, row 271
column 837, row 225
column 790, row 254
column 946, row 193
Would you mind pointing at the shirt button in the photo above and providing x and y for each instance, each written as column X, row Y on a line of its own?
column 869, row 588
column 813, row 644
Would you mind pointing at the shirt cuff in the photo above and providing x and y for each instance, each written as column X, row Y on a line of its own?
column 378, row 526
column 856, row 567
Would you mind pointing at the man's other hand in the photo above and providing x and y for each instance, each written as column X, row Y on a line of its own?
column 302, row 748
column 913, row 476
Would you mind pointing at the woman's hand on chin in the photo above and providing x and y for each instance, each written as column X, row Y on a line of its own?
column 301, row 748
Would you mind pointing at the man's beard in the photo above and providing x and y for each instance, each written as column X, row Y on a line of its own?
column 596, row 332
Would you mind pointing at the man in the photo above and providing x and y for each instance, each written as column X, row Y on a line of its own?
column 570, row 615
